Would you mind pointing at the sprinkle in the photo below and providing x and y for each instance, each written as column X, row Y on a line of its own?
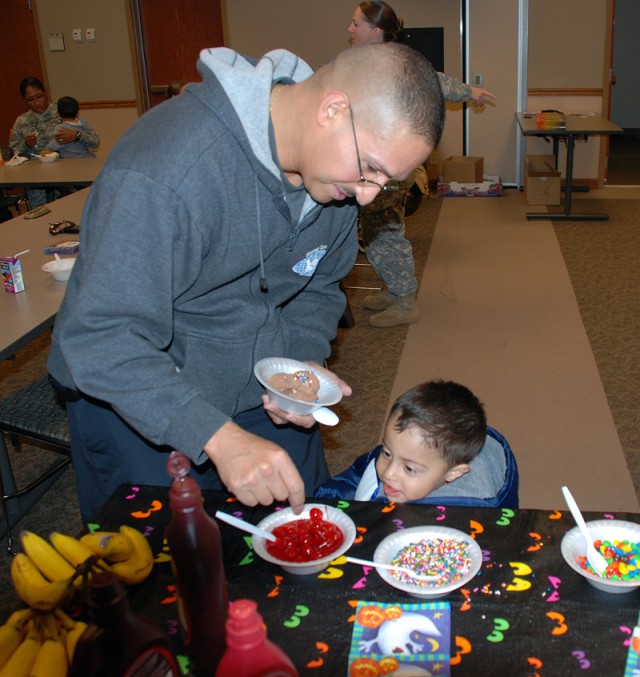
column 444, row 557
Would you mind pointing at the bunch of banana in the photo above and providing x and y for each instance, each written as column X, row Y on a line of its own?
column 38, row 644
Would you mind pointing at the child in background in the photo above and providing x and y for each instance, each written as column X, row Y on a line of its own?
column 68, row 108
column 436, row 449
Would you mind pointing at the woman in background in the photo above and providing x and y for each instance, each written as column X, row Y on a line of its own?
column 382, row 229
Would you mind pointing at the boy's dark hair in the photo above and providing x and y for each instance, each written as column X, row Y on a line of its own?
column 450, row 416
column 68, row 107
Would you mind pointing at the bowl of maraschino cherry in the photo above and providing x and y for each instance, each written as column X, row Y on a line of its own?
column 305, row 543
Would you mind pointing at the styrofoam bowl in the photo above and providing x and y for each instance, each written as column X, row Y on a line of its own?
column 280, row 517
column 60, row 270
column 48, row 157
column 391, row 546
column 574, row 546
column 329, row 392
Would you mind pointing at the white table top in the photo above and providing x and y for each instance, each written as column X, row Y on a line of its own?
column 28, row 313
column 33, row 173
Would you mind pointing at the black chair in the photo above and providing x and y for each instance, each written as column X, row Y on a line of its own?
column 34, row 412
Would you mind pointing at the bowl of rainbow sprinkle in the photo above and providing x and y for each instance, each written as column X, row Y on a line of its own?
column 451, row 555
column 619, row 542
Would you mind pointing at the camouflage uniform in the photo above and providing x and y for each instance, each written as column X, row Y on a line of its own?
column 382, row 221
column 44, row 125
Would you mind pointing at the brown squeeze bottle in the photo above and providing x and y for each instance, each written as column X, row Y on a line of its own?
column 194, row 541
column 117, row 641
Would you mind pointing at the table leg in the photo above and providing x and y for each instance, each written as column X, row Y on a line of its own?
column 567, row 215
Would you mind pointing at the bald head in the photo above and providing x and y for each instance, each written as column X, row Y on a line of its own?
column 389, row 86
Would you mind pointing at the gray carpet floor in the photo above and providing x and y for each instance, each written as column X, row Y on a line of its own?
column 602, row 260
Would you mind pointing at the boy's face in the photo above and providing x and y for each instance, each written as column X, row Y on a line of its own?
column 409, row 468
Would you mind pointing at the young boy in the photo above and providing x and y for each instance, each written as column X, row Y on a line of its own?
column 85, row 136
column 436, row 449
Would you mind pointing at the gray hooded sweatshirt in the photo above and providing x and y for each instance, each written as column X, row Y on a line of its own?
column 191, row 267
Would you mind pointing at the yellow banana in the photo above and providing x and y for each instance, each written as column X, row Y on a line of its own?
column 34, row 589
column 138, row 566
column 70, row 548
column 73, row 631
column 72, row 638
column 23, row 658
column 51, row 660
column 11, row 636
column 50, row 562
column 111, row 545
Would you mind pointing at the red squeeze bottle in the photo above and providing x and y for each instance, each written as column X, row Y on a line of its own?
column 249, row 653
column 117, row 641
column 194, row 541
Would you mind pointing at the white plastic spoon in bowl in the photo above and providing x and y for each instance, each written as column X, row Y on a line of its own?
column 245, row 526
column 392, row 567
column 595, row 559
column 325, row 416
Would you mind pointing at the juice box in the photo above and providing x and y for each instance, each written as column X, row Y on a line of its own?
column 12, row 274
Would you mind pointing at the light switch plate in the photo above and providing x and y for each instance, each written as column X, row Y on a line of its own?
column 91, row 34
column 76, row 34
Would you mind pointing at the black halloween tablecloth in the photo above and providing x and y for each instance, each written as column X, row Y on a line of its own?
column 525, row 613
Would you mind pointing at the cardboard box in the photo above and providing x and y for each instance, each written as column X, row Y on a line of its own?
column 490, row 187
column 541, row 180
column 463, row 169
column 12, row 274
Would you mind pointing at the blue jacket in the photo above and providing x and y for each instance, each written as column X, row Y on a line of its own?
column 463, row 491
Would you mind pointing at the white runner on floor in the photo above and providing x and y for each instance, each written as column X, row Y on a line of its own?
column 499, row 315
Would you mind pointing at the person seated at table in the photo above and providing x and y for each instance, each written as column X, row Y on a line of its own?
column 436, row 449
column 32, row 131
column 68, row 109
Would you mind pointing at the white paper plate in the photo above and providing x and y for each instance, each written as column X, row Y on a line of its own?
column 389, row 548
column 573, row 546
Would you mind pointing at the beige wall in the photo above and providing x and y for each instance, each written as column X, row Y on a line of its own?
column 565, row 53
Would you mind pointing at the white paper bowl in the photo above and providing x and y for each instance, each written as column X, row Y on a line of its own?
column 389, row 548
column 49, row 157
column 329, row 392
column 329, row 514
column 574, row 546
column 61, row 270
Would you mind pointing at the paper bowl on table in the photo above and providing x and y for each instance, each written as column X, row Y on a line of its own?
column 573, row 547
column 281, row 517
column 462, row 564
column 329, row 392
column 48, row 156
column 60, row 270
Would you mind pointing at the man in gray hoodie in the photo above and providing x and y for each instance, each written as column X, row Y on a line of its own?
column 217, row 234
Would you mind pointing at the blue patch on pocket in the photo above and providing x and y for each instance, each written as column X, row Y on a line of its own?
column 307, row 266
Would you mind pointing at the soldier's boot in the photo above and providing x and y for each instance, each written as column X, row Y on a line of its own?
column 380, row 300
column 403, row 311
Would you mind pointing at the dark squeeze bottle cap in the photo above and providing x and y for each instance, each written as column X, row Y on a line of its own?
column 185, row 491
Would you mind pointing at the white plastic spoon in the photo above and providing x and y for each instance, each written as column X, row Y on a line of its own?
column 58, row 261
column 595, row 559
column 392, row 567
column 245, row 526
column 325, row 416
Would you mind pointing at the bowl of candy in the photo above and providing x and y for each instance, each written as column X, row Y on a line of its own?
column 48, row 156
column 295, row 387
column 450, row 554
column 306, row 543
column 619, row 542
column 60, row 268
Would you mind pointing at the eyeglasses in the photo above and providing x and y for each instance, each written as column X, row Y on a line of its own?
column 362, row 181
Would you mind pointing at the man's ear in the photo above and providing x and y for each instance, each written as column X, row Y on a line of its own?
column 334, row 103
column 456, row 472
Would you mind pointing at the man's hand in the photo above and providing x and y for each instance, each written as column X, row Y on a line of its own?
column 65, row 135
column 479, row 95
column 255, row 470
column 280, row 417
column 30, row 140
